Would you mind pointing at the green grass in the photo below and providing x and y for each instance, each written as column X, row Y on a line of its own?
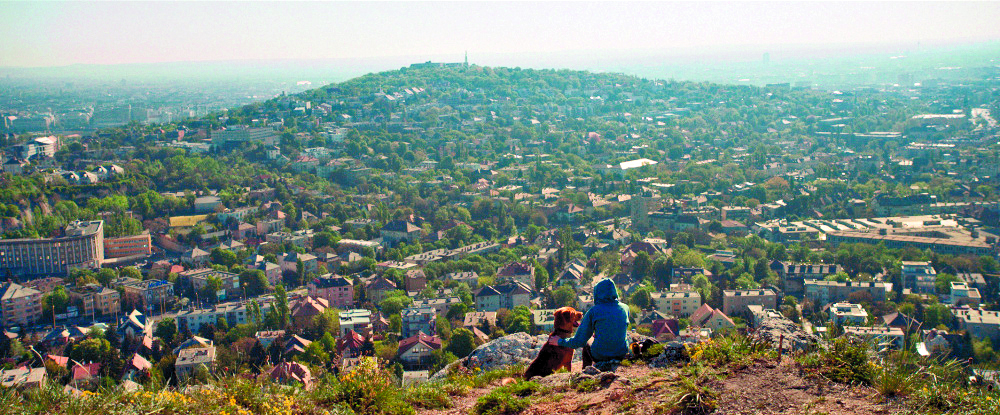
column 428, row 396
column 506, row 400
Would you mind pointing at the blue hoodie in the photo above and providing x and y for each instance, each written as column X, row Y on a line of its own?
column 609, row 319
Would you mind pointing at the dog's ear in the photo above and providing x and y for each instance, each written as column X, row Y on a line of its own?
column 559, row 316
column 578, row 315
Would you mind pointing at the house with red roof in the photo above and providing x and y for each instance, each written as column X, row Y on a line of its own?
column 415, row 351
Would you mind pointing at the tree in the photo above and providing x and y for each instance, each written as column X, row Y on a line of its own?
column 224, row 257
column 563, row 296
column 462, row 342
column 457, row 311
column 443, row 327
column 282, row 314
column 106, row 275
column 315, row 354
column 746, row 282
column 166, row 329
column 395, row 302
column 642, row 266
column 131, row 272
column 56, row 300
column 943, row 282
column 255, row 282
column 91, row 350
column 328, row 322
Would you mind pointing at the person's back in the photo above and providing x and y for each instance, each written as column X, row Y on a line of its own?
column 607, row 322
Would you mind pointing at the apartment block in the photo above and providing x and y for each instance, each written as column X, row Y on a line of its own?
column 19, row 305
column 735, row 302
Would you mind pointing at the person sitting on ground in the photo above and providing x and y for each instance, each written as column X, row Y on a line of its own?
column 607, row 322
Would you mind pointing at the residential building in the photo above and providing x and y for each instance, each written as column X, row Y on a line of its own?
column 265, row 338
column 676, row 303
column 19, row 305
column 439, row 304
column 522, row 272
column 357, row 320
column 206, row 204
column 337, row 290
column 272, row 271
column 23, row 377
column 848, row 314
column 712, row 318
column 95, row 299
column 881, row 337
column 306, row 309
column 919, row 277
column 415, row 351
column 480, row 319
column 148, row 295
column 378, row 289
column 418, row 319
column 45, row 284
column 825, row 292
column 735, row 302
column 229, row 283
column 82, row 246
column 196, row 257
column 544, row 320
column 397, row 231
column 469, row 278
column 981, row 324
column 233, row 312
column 793, row 276
column 134, row 325
column 414, row 280
column 290, row 262
column 509, row 295
column 962, row 294
column 188, row 360
column 572, row 274
column 133, row 246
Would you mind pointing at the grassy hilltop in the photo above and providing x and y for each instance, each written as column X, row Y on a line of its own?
column 727, row 375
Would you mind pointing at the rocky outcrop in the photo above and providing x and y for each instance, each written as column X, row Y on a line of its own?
column 672, row 352
column 791, row 336
column 512, row 349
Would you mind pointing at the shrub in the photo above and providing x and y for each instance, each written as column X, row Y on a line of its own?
column 367, row 389
column 428, row 396
column 692, row 397
column 731, row 350
column 510, row 399
column 847, row 361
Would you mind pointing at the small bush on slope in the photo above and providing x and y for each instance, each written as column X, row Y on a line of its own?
column 506, row 400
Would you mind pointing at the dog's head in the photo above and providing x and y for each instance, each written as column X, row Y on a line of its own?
column 567, row 319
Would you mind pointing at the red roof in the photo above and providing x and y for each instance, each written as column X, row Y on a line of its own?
column 83, row 372
column 60, row 360
column 432, row 342
column 516, row 268
column 351, row 340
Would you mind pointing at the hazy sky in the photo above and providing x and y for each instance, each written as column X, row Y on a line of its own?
column 62, row 33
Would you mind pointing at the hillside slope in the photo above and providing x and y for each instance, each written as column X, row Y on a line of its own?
column 764, row 387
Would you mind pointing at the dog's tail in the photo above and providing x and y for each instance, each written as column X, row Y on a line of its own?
column 507, row 381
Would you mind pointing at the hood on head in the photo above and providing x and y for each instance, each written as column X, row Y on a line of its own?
column 605, row 291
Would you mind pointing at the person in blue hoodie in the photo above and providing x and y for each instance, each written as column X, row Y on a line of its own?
column 607, row 322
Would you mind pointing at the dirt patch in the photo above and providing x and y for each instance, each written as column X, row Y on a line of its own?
column 762, row 388
column 770, row 388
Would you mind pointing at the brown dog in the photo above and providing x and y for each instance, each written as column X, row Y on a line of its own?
column 552, row 358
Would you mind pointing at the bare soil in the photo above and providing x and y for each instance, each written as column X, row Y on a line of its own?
column 765, row 387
